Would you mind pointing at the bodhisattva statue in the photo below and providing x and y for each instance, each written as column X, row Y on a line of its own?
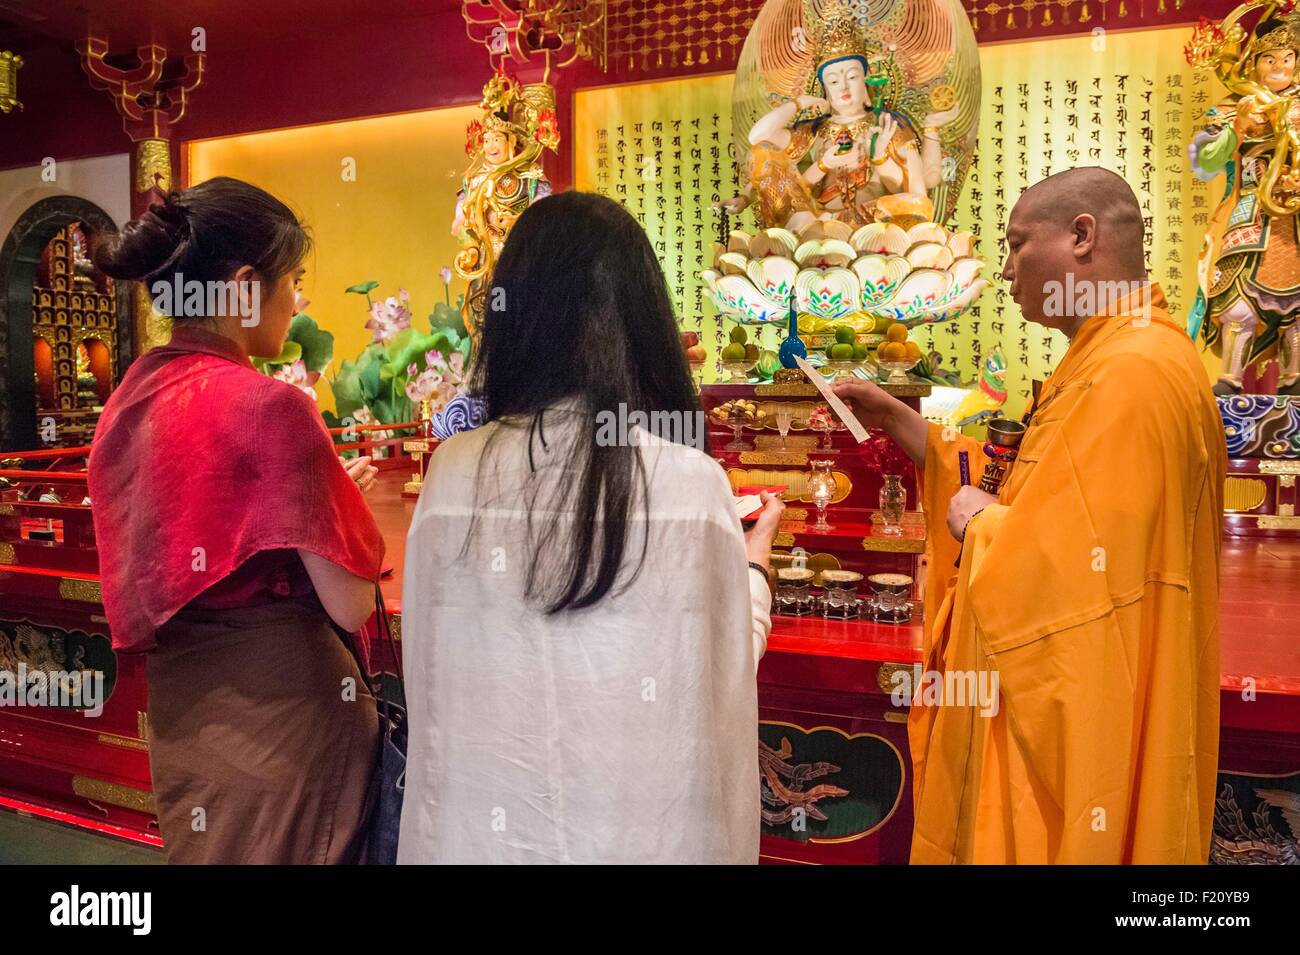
column 837, row 153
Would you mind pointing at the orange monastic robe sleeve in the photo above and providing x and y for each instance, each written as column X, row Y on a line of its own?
column 1091, row 590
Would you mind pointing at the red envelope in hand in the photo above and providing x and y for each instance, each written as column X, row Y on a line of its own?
column 752, row 503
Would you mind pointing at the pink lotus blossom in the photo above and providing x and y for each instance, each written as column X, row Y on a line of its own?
column 422, row 385
column 296, row 374
column 389, row 317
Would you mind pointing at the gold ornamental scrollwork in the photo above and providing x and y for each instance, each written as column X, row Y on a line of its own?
column 893, row 545
column 115, row 794
column 7, row 555
column 1279, row 467
column 885, row 675
column 798, row 458
column 153, row 165
column 1278, row 523
column 83, row 591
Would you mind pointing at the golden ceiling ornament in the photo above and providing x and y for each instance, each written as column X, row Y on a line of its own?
column 10, row 64
column 556, row 31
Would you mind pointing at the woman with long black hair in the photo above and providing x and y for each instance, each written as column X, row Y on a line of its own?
column 582, row 615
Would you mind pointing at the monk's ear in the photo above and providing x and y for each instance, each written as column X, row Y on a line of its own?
column 1084, row 228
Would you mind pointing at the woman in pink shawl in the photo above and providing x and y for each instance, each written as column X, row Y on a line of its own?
column 234, row 547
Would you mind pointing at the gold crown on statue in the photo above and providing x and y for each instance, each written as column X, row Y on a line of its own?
column 1284, row 37
column 840, row 40
column 526, row 112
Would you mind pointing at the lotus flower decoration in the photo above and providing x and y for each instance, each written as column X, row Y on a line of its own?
column 837, row 276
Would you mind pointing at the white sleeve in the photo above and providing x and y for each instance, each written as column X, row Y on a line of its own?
column 760, row 600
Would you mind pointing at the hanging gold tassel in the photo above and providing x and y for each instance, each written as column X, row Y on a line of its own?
column 1065, row 12
column 1161, row 9
column 1084, row 15
column 1047, row 16
column 1011, row 19
column 704, row 56
column 1123, row 9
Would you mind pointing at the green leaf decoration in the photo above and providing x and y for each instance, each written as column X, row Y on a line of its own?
column 347, row 389
column 363, row 288
column 291, row 352
column 444, row 316
column 316, row 343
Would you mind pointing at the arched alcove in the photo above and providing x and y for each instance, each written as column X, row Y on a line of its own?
column 20, row 265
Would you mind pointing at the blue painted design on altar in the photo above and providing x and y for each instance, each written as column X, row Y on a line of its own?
column 462, row 413
column 1261, row 426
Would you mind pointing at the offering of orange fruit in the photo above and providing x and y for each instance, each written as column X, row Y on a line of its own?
column 896, row 347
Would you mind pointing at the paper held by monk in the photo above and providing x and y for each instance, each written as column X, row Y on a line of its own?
column 839, row 407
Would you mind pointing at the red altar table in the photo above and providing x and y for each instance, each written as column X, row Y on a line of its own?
column 824, row 685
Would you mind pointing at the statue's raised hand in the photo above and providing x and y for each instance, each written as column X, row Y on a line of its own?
column 813, row 103
column 884, row 135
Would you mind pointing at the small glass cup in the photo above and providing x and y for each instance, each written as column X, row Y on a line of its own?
column 841, row 592
column 784, row 418
column 794, row 591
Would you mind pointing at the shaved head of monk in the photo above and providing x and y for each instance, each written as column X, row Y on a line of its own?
column 1068, row 234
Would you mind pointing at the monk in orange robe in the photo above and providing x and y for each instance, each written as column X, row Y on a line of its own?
column 1089, row 585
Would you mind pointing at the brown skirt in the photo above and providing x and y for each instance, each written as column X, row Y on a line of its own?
column 258, row 751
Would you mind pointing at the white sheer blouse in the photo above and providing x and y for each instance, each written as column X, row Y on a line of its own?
column 622, row 733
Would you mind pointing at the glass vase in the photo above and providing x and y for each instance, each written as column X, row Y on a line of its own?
column 893, row 502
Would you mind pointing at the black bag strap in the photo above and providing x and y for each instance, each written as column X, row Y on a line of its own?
column 385, row 636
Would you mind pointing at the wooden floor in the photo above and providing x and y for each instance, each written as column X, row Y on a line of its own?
column 1259, row 605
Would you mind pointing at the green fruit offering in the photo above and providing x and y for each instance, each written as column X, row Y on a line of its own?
column 738, row 335
column 844, row 335
column 859, row 352
column 842, row 352
column 733, row 352
column 768, row 362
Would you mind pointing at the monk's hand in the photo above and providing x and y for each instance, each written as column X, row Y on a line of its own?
column 758, row 539
column 361, row 471
column 965, row 504
column 871, row 405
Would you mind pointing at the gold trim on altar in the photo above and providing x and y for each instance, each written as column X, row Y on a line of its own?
column 1279, row 467
column 84, row 591
column 115, row 794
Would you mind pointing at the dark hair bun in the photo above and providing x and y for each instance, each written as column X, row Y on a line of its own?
column 147, row 245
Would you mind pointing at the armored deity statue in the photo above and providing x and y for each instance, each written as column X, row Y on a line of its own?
column 1249, row 268
column 503, row 179
column 844, row 148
